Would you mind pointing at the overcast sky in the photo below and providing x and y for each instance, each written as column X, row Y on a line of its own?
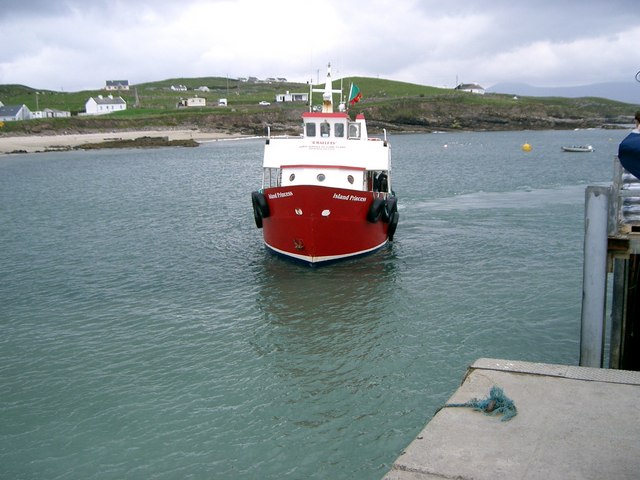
column 73, row 45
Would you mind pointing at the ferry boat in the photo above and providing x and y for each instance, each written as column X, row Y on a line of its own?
column 327, row 195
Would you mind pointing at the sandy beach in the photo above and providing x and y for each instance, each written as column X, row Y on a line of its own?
column 41, row 143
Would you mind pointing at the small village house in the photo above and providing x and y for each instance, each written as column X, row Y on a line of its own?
column 471, row 88
column 103, row 105
column 292, row 97
column 14, row 113
column 117, row 85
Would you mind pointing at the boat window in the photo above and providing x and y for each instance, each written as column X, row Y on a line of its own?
column 325, row 129
column 338, row 130
column 292, row 177
column 350, row 179
column 321, row 177
column 354, row 130
column 311, row 129
column 272, row 177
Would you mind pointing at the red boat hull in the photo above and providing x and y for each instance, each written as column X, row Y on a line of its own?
column 319, row 224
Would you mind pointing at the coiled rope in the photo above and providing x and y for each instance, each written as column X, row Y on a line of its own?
column 496, row 403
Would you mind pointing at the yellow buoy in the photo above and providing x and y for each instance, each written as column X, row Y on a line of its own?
column 526, row 147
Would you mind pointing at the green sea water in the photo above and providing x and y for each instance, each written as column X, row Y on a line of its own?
column 145, row 332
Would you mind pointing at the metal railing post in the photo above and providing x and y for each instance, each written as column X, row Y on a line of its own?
column 594, row 280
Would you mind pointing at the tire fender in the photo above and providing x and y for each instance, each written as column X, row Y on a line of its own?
column 260, row 207
column 375, row 210
column 393, row 224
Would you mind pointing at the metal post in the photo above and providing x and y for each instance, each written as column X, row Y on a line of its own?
column 594, row 280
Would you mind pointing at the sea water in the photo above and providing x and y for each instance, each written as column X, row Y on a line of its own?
column 145, row 332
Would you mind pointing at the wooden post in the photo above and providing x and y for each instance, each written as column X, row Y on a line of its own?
column 617, row 311
column 630, row 347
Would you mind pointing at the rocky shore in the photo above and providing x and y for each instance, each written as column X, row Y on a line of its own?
column 398, row 116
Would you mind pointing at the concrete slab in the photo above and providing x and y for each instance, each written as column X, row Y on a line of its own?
column 572, row 423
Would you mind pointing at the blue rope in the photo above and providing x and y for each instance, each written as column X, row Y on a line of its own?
column 497, row 402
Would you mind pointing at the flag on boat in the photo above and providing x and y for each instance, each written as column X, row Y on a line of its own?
column 354, row 94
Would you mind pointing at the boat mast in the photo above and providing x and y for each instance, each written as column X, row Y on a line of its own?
column 327, row 93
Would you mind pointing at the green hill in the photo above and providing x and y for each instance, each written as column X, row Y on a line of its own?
column 394, row 105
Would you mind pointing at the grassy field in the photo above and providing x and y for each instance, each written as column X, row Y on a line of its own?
column 405, row 105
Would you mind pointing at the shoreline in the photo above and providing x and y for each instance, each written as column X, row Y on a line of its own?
column 41, row 143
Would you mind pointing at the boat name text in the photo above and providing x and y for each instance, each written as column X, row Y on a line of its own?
column 273, row 196
column 352, row 198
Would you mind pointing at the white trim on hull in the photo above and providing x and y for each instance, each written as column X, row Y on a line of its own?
column 326, row 258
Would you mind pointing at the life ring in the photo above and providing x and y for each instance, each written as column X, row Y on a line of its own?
column 375, row 210
column 393, row 224
column 391, row 205
column 260, row 207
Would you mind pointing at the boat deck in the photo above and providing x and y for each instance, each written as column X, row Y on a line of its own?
column 572, row 423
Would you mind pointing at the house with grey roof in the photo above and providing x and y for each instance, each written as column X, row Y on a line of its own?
column 117, row 85
column 13, row 113
column 103, row 105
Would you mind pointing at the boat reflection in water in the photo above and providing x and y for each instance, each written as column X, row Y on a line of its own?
column 339, row 311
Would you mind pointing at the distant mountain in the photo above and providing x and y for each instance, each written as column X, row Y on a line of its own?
column 627, row 92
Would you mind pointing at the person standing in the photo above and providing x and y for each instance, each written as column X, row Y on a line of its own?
column 629, row 150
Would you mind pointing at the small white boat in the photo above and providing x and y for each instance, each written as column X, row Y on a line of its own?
column 578, row 148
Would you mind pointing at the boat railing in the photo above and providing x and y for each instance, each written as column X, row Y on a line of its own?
column 625, row 202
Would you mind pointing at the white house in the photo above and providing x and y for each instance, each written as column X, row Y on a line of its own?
column 103, row 105
column 471, row 88
column 12, row 113
column 117, row 85
column 292, row 97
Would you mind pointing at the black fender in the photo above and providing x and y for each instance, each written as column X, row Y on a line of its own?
column 391, row 205
column 393, row 224
column 260, row 207
column 375, row 210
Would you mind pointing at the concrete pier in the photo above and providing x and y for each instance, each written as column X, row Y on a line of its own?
column 572, row 423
